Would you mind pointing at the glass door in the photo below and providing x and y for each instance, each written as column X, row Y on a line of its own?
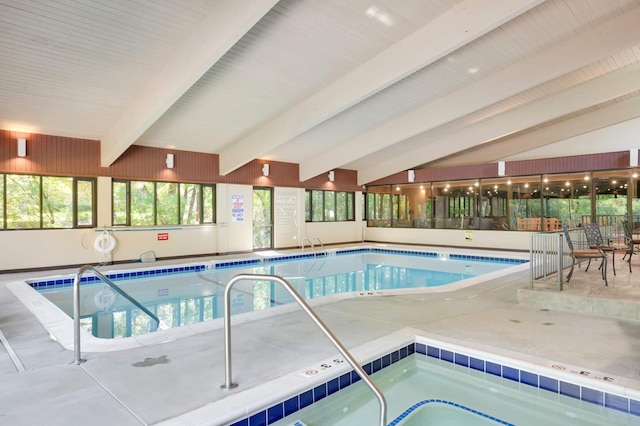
column 262, row 218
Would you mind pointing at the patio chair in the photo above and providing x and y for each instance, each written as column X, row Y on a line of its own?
column 585, row 254
column 628, row 234
column 595, row 240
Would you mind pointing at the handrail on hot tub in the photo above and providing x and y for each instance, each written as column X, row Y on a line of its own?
column 228, row 384
column 76, row 306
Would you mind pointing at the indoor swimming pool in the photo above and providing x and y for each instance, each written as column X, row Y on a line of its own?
column 426, row 384
column 190, row 294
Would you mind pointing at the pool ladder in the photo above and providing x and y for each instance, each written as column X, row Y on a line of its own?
column 312, row 245
column 229, row 384
column 76, row 306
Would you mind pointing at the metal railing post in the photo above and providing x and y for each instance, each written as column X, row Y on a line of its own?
column 546, row 257
column 229, row 384
column 76, row 306
column 76, row 320
column 560, row 261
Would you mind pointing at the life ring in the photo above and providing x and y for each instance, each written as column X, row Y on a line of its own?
column 105, row 243
column 105, row 298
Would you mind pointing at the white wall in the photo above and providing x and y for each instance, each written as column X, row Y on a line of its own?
column 505, row 240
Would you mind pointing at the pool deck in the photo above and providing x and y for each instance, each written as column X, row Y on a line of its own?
column 166, row 383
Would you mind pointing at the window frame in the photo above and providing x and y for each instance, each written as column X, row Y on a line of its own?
column 330, row 200
column 178, row 201
column 74, row 202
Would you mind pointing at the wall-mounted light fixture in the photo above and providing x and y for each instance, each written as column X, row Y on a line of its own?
column 265, row 170
column 411, row 175
column 501, row 168
column 22, row 147
column 169, row 161
column 332, row 176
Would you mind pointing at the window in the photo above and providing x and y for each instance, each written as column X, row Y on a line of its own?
column 494, row 204
column 2, row 217
column 24, row 201
column 317, row 206
column 166, row 203
column 190, row 201
column 400, row 209
column 525, row 202
column 85, row 202
column 567, row 197
column 345, row 204
column 46, row 202
column 329, row 206
column 145, row 203
column 611, row 190
column 378, row 206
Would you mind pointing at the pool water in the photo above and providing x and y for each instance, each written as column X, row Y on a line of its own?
column 187, row 298
column 426, row 391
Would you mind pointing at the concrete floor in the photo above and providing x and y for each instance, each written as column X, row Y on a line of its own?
column 159, row 383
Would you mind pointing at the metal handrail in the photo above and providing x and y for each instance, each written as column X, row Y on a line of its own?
column 321, row 245
column 76, row 306
column 229, row 384
column 310, row 245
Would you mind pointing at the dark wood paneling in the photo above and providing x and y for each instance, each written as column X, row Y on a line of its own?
column 478, row 171
column 344, row 180
column 49, row 155
column 146, row 163
column 280, row 174
column 576, row 163
column 58, row 155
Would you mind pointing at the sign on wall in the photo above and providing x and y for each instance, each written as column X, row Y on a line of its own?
column 237, row 208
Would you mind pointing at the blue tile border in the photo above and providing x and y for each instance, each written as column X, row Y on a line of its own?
column 582, row 393
column 51, row 283
column 318, row 392
column 398, row 420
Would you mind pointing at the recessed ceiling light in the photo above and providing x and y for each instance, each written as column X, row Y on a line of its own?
column 473, row 70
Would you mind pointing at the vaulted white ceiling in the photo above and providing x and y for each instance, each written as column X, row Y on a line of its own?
column 377, row 86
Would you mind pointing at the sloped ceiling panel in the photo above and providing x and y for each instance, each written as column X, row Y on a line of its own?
column 373, row 86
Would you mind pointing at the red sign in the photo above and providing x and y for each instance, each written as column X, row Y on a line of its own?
column 163, row 236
